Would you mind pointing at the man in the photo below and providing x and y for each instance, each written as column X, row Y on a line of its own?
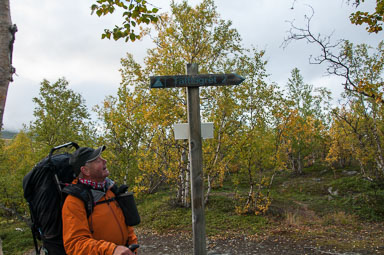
column 104, row 231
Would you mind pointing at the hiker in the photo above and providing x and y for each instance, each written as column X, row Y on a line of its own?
column 105, row 230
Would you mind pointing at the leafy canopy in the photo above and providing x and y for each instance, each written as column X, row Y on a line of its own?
column 60, row 115
column 134, row 14
column 374, row 20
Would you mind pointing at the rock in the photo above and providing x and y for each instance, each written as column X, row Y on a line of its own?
column 333, row 192
column 350, row 173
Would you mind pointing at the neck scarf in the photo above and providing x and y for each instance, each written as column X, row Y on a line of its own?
column 94, row 185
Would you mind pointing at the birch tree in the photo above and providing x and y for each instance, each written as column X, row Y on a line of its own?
column 61, row 116
column 361, row 117
column 7, row 37
column 307, row 120
column 186, row 35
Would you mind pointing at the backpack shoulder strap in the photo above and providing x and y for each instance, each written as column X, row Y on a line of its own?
column 83, row 193
column 116, row 190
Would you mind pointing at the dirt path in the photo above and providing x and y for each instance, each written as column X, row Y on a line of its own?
column 180, row 244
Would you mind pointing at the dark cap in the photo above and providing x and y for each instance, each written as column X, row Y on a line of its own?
column 83, row 155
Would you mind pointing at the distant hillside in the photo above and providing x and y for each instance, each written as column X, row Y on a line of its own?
column 8, row 134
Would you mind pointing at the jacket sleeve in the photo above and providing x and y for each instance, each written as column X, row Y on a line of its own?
column 132, row 239
column 77, row 236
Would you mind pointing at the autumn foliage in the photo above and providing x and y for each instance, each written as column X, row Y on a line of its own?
column 260, row 128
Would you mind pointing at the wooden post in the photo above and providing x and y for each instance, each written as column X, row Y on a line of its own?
column 195, row 150
column 1, row 247
column 193, row 81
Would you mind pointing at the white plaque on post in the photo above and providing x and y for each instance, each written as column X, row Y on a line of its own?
column 182, row 130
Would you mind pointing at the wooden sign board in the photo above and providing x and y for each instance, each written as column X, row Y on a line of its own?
column 195, row 80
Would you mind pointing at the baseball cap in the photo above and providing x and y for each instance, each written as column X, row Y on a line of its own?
column 84, row 155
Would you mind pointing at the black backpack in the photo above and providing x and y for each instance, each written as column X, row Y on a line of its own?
column 45, row 189
column 42, row 189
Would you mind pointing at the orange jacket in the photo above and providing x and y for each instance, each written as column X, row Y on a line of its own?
column 106, row 221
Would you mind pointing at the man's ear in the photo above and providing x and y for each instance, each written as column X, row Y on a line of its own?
column 85, row 171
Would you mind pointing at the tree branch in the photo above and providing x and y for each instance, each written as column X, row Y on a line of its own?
column 337, row 63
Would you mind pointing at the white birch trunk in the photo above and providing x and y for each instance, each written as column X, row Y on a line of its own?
column 187, row 184
column 379, row 158
column 6, row 44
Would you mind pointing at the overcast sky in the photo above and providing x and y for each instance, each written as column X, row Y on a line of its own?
column 58, row 39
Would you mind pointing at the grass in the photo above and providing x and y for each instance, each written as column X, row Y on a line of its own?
column 302, row 209
column 159, row 213
column 16, row 236
column 221, row 219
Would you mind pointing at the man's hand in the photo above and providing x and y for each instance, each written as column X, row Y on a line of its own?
column 122, row 250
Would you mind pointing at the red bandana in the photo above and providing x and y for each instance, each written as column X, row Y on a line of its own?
column 95, row 185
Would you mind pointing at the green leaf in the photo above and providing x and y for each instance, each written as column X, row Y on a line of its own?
column 117, row 35
column 132, row 36
column 135, row 14
column 99, row 12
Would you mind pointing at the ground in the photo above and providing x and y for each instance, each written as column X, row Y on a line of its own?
column 181, row 244
column 299, row 234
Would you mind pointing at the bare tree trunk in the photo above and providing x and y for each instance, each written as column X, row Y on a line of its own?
column 7, row 32
column 361, row 164
column 186, row 200
column 180, row 189
column 180, row 184
column 299, row 164
column 292, row 160
column 250, row 199
column 209, row 188
column 212, row 176
column 183, row 192
column 126, row 176
column 313, row 159
column 251, row 189
column 379, row 158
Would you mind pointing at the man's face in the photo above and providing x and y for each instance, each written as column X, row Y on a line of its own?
column 97, row 169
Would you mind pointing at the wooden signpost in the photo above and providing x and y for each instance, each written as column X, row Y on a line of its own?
column 193, row 81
